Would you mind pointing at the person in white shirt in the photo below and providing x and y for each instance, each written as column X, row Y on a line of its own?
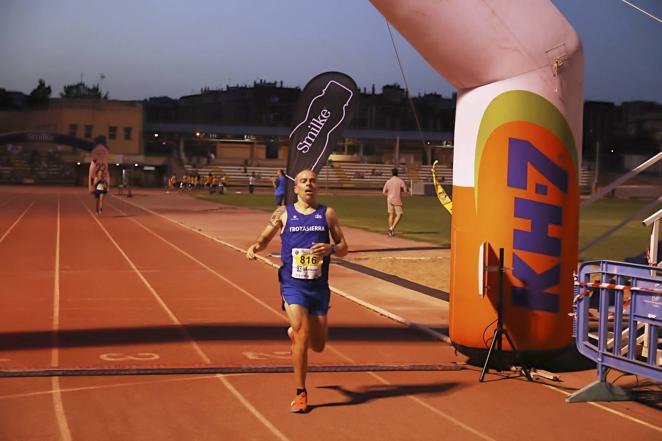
column 251, row 183
column 393, row 189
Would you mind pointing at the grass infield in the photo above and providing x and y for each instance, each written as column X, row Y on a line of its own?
column 426, row 220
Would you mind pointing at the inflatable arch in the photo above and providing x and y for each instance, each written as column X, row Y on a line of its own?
column 46, row 137
column 98, row 151
column 518, row 68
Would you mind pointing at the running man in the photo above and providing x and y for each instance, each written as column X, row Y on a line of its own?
column 393, row 189
column 304, row 228
column 100, row 186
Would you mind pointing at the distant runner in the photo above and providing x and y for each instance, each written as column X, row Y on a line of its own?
column 100, row 188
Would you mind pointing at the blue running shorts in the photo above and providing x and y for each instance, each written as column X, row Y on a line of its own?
column 316, row 300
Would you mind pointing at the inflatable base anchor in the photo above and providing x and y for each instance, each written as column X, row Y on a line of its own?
column 599, row 391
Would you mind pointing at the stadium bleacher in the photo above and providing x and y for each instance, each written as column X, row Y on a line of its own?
column 21, row 169
column 336, row 175
column 31, row 168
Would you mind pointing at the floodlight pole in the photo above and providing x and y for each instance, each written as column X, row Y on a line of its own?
column 596, row 172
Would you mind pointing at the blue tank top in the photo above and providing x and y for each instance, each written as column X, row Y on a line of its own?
column 280, row 186
column 300, row 233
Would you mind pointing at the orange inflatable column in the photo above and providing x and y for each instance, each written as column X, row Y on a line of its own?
column 518, row 68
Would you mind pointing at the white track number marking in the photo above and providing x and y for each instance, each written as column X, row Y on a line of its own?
column 277, row 355
column 140, row 356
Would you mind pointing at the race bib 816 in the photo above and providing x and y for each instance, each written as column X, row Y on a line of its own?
column 305, row 265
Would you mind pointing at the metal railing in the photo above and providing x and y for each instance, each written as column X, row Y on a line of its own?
column 615, row 303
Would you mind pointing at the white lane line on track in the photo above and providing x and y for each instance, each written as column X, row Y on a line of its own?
column 247, row 404
column 608, row 409
column 151, row 289
column 417, row 400
column 396, row 318
column 330, row 347
column 199, row 350
column 55, row 354
column 206, row 267
column 15, row 222
column 369, row 306
column 109, row 386
column 374, row 308
column 60, row 415
column 438, row 412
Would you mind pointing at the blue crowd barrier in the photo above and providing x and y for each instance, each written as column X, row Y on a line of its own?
column 617, row 294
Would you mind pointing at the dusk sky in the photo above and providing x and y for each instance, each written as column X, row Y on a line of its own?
column 173, row 48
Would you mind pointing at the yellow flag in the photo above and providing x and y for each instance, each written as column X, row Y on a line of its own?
column 441, row 193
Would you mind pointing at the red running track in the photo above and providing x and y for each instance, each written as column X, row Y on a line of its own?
column 130, row 289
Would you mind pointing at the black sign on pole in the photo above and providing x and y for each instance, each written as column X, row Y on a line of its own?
column 322, row 113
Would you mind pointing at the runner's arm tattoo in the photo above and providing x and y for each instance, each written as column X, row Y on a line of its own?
column 276, row 216
column 268, row 233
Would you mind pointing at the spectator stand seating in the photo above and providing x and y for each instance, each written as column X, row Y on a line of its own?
column 336, row 175
column 30, row 167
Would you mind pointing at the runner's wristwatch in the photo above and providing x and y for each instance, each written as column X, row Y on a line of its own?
column 333, row 249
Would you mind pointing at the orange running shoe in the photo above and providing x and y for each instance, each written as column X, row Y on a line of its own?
column 300, row 403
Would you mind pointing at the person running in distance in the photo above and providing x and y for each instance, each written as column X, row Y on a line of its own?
column 100, row 188
column 392, row 189
column 279, row 187
column 304, row 229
